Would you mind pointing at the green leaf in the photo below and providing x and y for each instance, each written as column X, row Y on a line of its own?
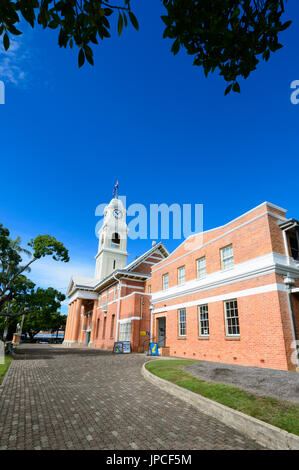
column 89, row 54
column 13, row 30
column 286, row 25
column 228, row 89
column 6, row 41
column 175, row 47
column 236, row 87
column 134, row 20
column 120, row 24
column 81, row 58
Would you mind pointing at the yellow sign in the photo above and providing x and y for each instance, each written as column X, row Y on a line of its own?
column 142, row 333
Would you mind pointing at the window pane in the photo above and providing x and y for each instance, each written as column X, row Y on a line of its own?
column 201, row 267
column 227, row 257
column 182, row 322
column 203, row 320
column 181, row 275
column 165, row 281
column 232, row 317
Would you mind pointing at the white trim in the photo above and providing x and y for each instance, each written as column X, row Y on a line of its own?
column 213, row 240
column 256, row 267
column 132, row 287
column 229, row 296
column 133, row 280
column 83, row 295
column 124, row 297
column 294, row 290
column 128, row 320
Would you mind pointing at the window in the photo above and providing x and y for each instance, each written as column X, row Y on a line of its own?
column 149, row 289
column 114, row 264
column 165, row 281
column 294, row 245
column 182, row 322
column 227, row 257
column 203, row 320
column 104, row 327
column 112, row 326
column 125, row 331
column 98, row 327
column 231, row 318
column 181, row 275
column 201, row 267
column 115, row 242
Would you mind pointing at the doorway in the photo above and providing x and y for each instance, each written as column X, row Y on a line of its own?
column 87, row 338
column 161, row 331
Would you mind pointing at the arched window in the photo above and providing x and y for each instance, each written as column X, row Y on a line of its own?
column 115, row 242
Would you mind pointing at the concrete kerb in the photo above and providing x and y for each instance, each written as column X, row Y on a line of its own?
column 265, row 434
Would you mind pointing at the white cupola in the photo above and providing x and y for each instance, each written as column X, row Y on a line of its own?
column 112, row 251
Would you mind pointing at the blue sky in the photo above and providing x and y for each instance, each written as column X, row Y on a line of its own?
column 148, row 119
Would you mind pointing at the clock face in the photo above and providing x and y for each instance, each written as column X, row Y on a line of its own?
column 117, row 213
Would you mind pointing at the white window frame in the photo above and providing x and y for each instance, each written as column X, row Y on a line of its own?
column 181, row 269
column 236, row 317
column 115, row 292
column 203, row 310
column 201, row 275
column 227, row 257
column 180, row 323
column 165, row 276
column 124, row 331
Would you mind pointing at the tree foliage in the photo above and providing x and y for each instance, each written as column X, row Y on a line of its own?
column 42, row 311
column 13, row 283
column 230, row 36
column 80, row 22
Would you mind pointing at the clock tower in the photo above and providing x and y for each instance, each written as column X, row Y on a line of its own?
column 112, row 252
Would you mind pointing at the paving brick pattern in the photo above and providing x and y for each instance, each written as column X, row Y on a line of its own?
column 58, row 398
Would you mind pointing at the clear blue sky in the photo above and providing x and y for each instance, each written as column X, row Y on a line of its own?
column 144, row 117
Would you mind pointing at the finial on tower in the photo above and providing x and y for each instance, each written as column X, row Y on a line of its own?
column 115, row 190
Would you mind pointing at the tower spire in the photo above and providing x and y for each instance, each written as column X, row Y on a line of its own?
column 115, row 190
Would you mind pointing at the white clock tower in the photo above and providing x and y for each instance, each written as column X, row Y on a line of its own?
column 112, row 252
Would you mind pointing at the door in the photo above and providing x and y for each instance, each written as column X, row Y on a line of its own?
column 161, row 331
column 87, row 338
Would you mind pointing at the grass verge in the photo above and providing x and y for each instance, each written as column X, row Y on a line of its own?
column 283, row 414
column 5, row 366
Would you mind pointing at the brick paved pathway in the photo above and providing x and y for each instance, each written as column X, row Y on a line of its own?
column 58, row 398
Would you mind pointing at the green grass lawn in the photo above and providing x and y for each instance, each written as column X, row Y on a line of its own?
column 4, row 367
column 283, row 414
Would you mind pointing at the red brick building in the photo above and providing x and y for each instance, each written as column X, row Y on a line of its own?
column 115, row 304
column 229, row 295
column 232, row 294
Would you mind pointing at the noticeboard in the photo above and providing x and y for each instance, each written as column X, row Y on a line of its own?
column 122, row 347
column 118, row 347
column 126, row 347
